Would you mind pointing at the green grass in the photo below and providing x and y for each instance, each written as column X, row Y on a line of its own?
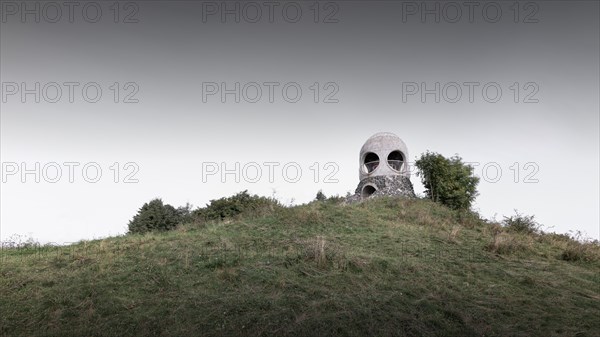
column 385, row 267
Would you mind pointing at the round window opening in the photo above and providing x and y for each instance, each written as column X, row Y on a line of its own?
column 367, row 191
column 395, row 159
column 370, row 162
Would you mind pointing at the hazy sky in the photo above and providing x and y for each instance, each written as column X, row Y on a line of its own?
column 428, row 71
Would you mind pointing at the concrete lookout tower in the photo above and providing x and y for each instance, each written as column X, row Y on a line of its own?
column 383, row 168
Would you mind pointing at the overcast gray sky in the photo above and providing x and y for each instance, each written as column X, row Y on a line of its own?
column 517, row 85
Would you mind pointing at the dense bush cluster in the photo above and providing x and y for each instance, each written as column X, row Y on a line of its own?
column 235, row 205
column 155, row 216
column 448, row 181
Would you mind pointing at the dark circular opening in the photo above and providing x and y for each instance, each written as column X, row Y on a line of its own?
column 367, row 191
column 395, row 159
column 370, row 162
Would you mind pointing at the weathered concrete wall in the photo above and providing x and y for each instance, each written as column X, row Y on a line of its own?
column 387, row 185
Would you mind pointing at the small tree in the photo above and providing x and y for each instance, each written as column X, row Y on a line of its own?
column 152, row 216
column 321, row 196
column 447, row 180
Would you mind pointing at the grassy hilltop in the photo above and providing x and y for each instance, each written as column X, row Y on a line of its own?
column 384, row 267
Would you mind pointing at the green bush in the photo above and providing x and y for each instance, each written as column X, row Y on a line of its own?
column 521, row 223
column 185, row 213
column 448, row 181
column 154, row 216
column 241, row 203
column 321, row 196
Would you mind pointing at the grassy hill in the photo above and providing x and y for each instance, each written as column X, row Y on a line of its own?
column 385, row 267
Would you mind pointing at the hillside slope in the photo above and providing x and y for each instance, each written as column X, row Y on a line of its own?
column 385, row 267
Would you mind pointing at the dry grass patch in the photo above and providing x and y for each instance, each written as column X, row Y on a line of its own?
column 506, row 244
column 581, row 251
column 453, row 234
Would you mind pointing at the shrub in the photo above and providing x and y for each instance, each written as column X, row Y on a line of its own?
column 321, row 196
column 521, row 223
column 185, row 213
column 577, row 250
column 152, row 216
column 241, row 203
column 447, row 180
column 331, row 200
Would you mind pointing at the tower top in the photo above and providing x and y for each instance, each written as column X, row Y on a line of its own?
column 383, row 154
